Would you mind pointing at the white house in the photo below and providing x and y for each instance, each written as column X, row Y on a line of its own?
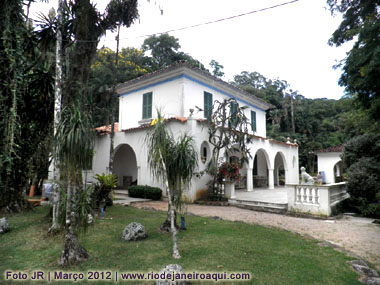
column 330, row 163
column 176, row 91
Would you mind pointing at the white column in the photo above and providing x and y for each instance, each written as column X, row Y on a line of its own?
column 249, row 177
column 324, row 201
column 277, row 176
column 271, row 179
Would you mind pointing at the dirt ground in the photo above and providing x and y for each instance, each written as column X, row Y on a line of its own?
column 357, row 235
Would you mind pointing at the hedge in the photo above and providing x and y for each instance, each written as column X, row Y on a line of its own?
column 148, row 192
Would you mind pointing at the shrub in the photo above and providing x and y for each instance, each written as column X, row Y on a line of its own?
column 103, row 188
column 147, row 192
column 361, row 154
column 229, row 172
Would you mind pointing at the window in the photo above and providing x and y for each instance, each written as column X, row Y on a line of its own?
column 253, row 121
column 205, row 150
column 147, row 106
column 207, row 98
column 234, row 107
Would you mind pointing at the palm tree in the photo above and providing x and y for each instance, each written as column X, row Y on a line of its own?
column 74, row 148
column 173, row 163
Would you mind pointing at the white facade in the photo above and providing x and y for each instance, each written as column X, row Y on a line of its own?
column 175, row 91
column 331, row 164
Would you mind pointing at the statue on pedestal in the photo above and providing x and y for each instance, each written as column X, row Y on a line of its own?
column 306, row 178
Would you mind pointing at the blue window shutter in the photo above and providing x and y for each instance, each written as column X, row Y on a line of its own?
column 253, row 120
column 207, row 100
column 147, row 105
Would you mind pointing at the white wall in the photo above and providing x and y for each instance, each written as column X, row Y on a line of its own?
column 136, row 139
column 175, row 98
column 326, row 162
column 166, row 97
column 194, row 97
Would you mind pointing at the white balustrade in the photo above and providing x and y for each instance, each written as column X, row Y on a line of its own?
column 315, row 199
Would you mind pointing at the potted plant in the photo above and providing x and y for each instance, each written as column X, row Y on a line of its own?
column 228, row 173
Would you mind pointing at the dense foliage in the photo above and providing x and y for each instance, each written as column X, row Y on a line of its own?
column 145, row 191
column 26, row 106
column 102, row 190
column 361, row 67
column 315, row 123
column 362, row 157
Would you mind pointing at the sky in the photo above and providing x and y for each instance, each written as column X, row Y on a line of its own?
column 287, row 42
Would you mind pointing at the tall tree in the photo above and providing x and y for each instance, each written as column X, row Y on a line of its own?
column 361, row 67
column 163, row 50
column 216, row 68
column 173, row 163
column 227, row 130
column 57, row 109
column 25, row 104
column 74, row 148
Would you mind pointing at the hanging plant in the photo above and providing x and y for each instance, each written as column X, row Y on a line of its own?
column 228, row 172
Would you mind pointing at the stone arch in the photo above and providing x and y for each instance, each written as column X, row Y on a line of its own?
column 338, row 171
column 280, row 169
column 261, row 168
column 125, row 165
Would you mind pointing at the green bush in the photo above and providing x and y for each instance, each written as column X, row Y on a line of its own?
column 147, row 192
column 103, row 187
column 362, row 156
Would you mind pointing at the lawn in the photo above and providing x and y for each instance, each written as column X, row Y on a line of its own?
column 271, row 256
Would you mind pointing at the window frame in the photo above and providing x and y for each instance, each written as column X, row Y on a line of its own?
column 233, row 110
column 253, row 121
column 207, row 104
column 147, row 105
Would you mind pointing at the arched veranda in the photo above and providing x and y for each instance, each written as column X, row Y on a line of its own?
column 125, row 166
column 261, row 166
column 279, row 169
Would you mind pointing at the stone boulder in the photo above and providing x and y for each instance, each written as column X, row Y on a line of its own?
column 134, row 231
column 171, row 269
column 368, row 275
column 4, row 227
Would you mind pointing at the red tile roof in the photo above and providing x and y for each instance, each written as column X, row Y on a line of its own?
column 146, row 126
column 336, row 148
column 106, row 129
column 204, row 121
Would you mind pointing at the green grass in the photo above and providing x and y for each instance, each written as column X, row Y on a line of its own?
column 271, row 256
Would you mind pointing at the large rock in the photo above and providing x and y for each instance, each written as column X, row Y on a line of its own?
column 171, row 269
column 134, row 231
column 4, row 227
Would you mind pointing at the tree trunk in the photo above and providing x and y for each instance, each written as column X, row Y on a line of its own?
column 72, row 252
column 171, row 211
column 166, row 226
column 57, row 111
column 292, row 114
column 110, row 166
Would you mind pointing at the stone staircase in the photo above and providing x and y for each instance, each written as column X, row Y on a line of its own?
column 121, row 198
column 272, row 207
column 120, row 194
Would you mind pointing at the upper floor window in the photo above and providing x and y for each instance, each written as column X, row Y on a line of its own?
column 253, row 121
column 147, row 105
column 207, row 98
column 233, row 113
